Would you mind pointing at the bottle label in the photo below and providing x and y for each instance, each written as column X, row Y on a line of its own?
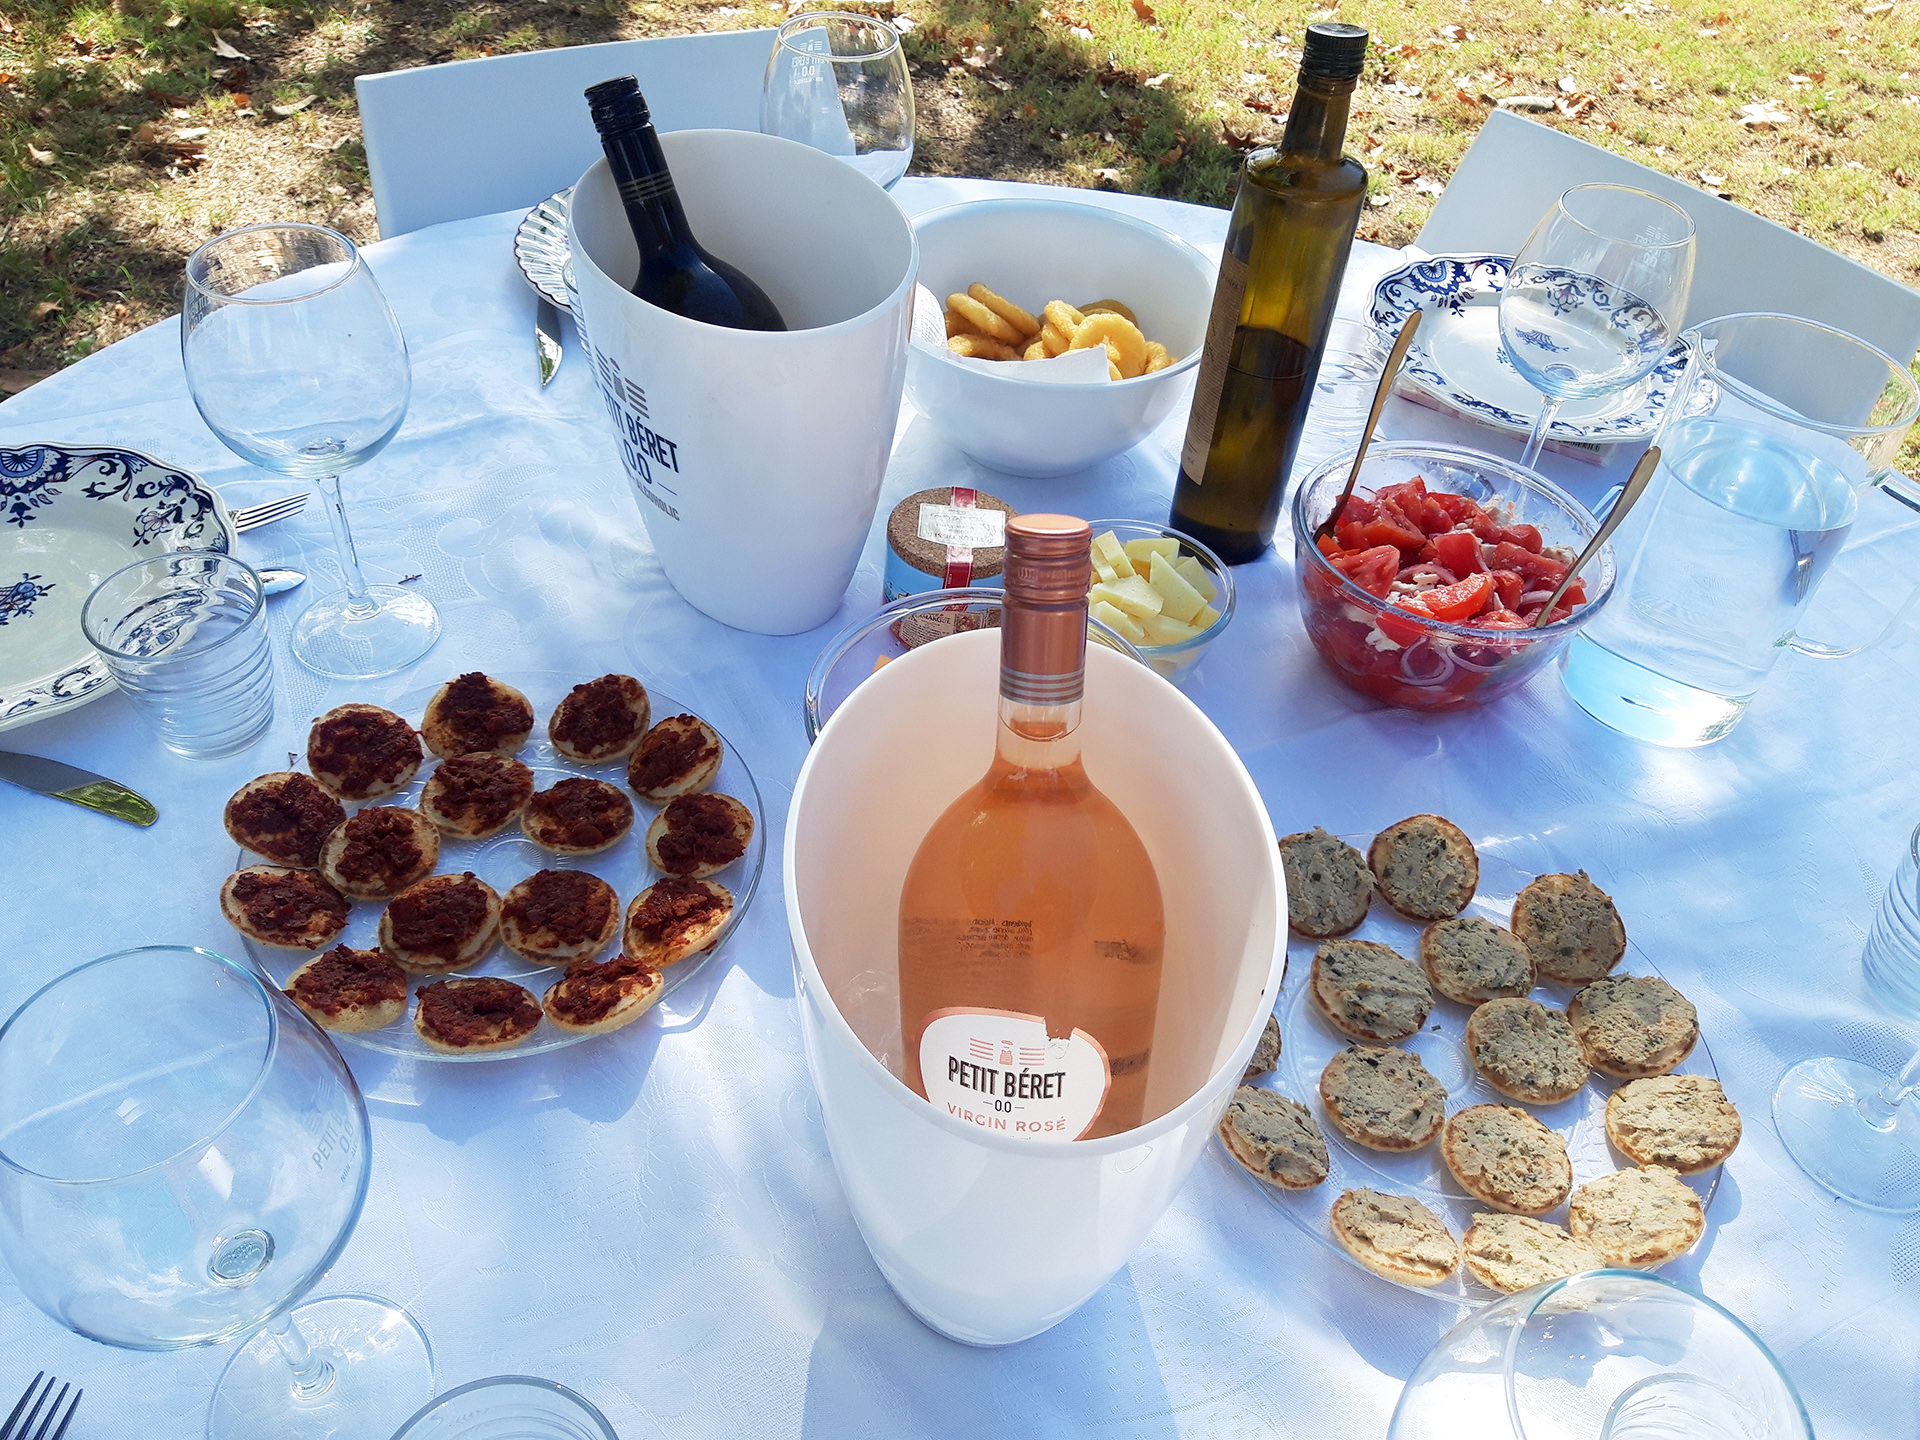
column 1228, row 292
column 1000, row 1070
column 970, row 528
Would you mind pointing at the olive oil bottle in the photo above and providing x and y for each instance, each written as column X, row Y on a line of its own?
column 1287, row 246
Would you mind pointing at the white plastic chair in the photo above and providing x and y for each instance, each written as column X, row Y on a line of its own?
column 478, row 136
column 1517, row 168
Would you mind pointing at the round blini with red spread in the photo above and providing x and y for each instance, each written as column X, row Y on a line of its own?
column 350, row 990
column 600, row 720
column 286, row 908
column 476, row 712
column 595, row 998
column 361, row 752
column 559, row 917
column 474, row 796
column 379, row 852
column 469, row 1015
column 699, row 835
column 446, row 922
column 285, row 816
column 577, row 816
column 680, row 755
column 674, row 918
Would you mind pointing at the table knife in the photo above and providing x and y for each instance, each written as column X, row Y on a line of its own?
column 76, row 786
column 546, row 339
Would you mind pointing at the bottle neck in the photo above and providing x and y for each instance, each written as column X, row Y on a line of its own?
column 653, row 206
column 1317, row 124
column 1043, row 664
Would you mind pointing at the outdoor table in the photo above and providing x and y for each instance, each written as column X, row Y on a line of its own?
column 653, row 1218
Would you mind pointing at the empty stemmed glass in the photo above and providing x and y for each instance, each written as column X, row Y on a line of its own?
column 839, row 83
column 182, row 1156
column 1595, row 297
column 1854, row 1129
column 296, row 362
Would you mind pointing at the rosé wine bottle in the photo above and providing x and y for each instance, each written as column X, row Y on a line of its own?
column 1031, row 927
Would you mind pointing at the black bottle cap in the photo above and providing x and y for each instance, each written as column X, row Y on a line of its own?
column 617, row 104
column 1333, row 51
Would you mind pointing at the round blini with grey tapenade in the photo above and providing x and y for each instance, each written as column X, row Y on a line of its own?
column 1329, row 887
column 1469, row 959
column 1684, row 1122
column 1525, row 1051
column 1632, row 1026
column 1509, row 1253
column 1425, row 867
column 1570, row 926
column 1507, row 1158
column 1637, row 1218
column 1369, row 991
column 1383, row 1098
column 1266, row 1051
column 1274, row 1137
column 1395, row 1236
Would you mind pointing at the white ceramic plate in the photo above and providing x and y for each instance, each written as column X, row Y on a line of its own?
column 71, row 515
column 508, row 858
column 1308, row 1042
column 540, row 247
column 1458, row 359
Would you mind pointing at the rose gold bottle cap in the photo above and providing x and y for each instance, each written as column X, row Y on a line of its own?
column 1043, row 642
column 1049, row 560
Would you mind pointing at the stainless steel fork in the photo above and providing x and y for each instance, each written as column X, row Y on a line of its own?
column 47, row 1431
column 252, row 517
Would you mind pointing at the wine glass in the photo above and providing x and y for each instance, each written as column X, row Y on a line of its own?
column 839, row 83
column 1595, row 297
column 296, row 362
column 1608, row 1355
column 1850, row 1127
column 182, row 1156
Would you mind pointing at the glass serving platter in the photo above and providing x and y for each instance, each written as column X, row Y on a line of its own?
column 1309, row 1041
column 509, row 857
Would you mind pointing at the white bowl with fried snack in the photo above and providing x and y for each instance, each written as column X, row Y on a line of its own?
column 1031, row 251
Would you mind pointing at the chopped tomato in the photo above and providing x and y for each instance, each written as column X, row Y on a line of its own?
column 1403, row 629
column 1459, row 508
column 1359, row 509
column 1510, row 587
column 1527, row 537
column 1426, row 574
column 1501, row 619
column 1534, row 569
column 1327, row 545
column 1458, row 551
column 1372, row 570
column 1393, row 528
column 1457, row 601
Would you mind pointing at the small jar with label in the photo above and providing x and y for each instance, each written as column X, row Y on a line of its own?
column 947, row 538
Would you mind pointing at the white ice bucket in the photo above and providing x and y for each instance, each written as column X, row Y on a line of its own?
column 990, row 1239
column 756, row 458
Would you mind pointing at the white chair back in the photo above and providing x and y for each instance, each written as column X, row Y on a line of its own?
column 1517, row 168
column 477, row 136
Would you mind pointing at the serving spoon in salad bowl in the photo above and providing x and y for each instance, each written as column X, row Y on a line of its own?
column 1635, row 487
column 1388, row 374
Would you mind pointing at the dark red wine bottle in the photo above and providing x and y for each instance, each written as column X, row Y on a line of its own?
column 676, row 272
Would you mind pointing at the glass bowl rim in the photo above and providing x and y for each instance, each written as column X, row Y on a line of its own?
column 267, row 1054
column 1216, row 567
column 528, row 1382
column 1460, row 457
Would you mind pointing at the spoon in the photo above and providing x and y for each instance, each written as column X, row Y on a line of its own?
column 1387, row 376
column 1635, row 487
column 278, row 582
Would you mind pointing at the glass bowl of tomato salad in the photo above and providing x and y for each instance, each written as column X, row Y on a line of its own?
column 1426, row 591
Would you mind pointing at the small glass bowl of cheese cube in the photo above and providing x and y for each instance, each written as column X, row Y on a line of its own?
column 1165, row 591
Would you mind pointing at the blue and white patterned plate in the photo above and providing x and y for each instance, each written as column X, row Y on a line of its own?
column 71, row 515
column 1458, row 358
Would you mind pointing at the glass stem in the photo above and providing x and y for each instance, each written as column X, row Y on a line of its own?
column 1882, row 1110
column 1543, row 422
column 361, row 603
column 312, row 1375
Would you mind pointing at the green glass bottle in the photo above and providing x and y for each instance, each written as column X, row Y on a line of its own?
column 1287, row 247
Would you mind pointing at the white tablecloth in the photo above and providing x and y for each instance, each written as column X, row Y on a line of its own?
column 656, row 1222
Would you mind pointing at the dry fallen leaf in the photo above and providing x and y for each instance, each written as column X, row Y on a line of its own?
column 1568, row 85
column 1172, row 157
column 1424, row 186
column 226, row 51
column 1538, row 103
column 1144, row 12
column 39, row 156
column 197, row 133
column 283, row 112
column 1155, row 82
column 1711, row 180
column 44, row 310
column 1234, row 140
column 997, row 83
column 1382, row 199
column 1763, row 115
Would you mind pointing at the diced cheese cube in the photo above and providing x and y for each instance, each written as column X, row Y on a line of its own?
column 1104, row 572
column 1107, row 547
column 1115, row 619
column 1142, row 551
column 1164, row 630
column 878, row 661
column 1196, row 576
column 1205, row 618
column 1178, row 599
column 1132, row 594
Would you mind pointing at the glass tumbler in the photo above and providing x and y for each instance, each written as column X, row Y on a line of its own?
column 185, row 637
column 839, row 83
column 508, row 1407
column 1608, row 1355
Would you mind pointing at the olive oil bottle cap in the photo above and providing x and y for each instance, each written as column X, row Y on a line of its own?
column 1334, row 51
